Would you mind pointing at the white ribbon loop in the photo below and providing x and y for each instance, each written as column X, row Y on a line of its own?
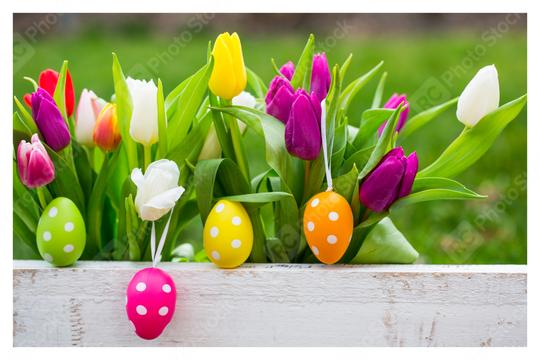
column 156, row 253
column 325, row 147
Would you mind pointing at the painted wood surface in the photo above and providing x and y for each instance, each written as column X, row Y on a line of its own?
column 278, row 305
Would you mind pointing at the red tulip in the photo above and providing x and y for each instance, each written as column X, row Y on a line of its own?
column 48, row 79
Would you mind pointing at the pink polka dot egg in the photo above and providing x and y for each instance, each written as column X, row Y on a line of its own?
column 150, row 302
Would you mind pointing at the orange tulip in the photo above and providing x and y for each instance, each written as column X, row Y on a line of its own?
column 106, row 132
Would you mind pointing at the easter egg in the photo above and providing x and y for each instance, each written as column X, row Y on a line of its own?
column 61, row 234
column 150, row 302
column 328, row 226
column 228, row 234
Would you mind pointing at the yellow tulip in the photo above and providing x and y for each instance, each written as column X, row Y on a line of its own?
column 228, row 77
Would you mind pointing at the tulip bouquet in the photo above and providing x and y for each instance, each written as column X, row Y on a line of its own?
column 144, row 162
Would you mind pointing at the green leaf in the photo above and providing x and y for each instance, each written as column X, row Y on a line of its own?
column 383, row 144
column 188, row 104
column 339, row 146
column 26, row 117
column 421, row 119
column 345, row 66
column 431, row 189
column 474, row 142
column 372, row 119
column 123, row 112
column 377, row 98
column 258, row 198
column 256, row 83
column 189, row 149
column 60, row 94
column 132, row 225
column 359, row 159
column 354, row 87
column 162, row 122
column 345, row 184
column 171, row 100
column 20, row 126
column 385, row 245
column 302, row 73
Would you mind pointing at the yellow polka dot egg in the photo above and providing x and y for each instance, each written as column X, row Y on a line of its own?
column 228, row 234
column 61, row 234
column 328, row 226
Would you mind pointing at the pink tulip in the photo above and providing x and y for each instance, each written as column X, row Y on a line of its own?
column 35, row 166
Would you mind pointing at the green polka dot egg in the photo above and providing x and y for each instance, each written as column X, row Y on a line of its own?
column 60, row 233
column 228, row 234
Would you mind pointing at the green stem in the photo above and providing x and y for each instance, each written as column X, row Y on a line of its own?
column 307, row 170
column 147, row 156
column 41, row 197
column 237, row 142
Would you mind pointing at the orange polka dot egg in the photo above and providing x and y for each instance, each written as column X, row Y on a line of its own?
column 228, row 234
column 328, row 226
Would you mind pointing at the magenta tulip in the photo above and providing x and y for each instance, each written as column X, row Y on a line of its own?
column 279, row 98
column 49, row 120
column 302, row 131
column 391, row 179
column 392, row 103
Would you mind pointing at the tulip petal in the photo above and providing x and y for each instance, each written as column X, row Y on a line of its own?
column 223, row 79
column 287, row 70
column 380, row 188
column 409, row 176
column 280, row 104
column 480, row 96
column 51, row 125
column 302, row 131
column 238, row 63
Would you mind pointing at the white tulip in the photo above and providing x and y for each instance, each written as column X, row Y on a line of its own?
column 157, row 189
column 143, row 126
column 211, row 148
column 480, row 97
column 87, row 112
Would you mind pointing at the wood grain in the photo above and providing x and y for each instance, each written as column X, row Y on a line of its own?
column 278, row 305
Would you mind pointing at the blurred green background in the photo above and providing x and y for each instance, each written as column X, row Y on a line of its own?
column 430, row 57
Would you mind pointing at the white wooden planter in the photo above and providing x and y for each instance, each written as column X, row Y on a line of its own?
column 272, row 304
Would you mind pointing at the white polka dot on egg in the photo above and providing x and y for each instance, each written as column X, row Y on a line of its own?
column 220, row 207
column 68, row 248
column 47, row 236
column 69, row 226
column 311, row 226
column 140, row 286
column 314, row 202
column 48, row 257
column 236, row 243
column 53, row 212
column 141, row 310
column 166, row 288
column 315, row 250
column 163, row 310
column 332, row 239
column 214, row 231
column 333, row 216
column 236, row 220
column 215, row 255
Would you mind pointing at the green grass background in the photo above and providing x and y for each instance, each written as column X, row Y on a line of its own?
column 483, row 232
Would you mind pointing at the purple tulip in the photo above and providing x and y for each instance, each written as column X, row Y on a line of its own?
column 302, row 131
column 49, row 120
column 320, row 76
column 391, row 179
column 279, row 98
column 392, row 103
column 35, row 167
column 287, row 70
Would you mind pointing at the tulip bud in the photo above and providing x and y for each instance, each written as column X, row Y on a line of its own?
column 106, row 132
column 157, row 189
column 34, row 164
column 212, row 148
column 228, row 77
column 87, row 112
column 393, row 103
column 391, row 179
column 320, row 76
column 287, row 70
column 143, row 126
column 279, row 98
column 480, row 96
column 302, row 131
column 49, row 120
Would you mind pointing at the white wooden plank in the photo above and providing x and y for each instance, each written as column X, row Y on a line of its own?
column 275, row 304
